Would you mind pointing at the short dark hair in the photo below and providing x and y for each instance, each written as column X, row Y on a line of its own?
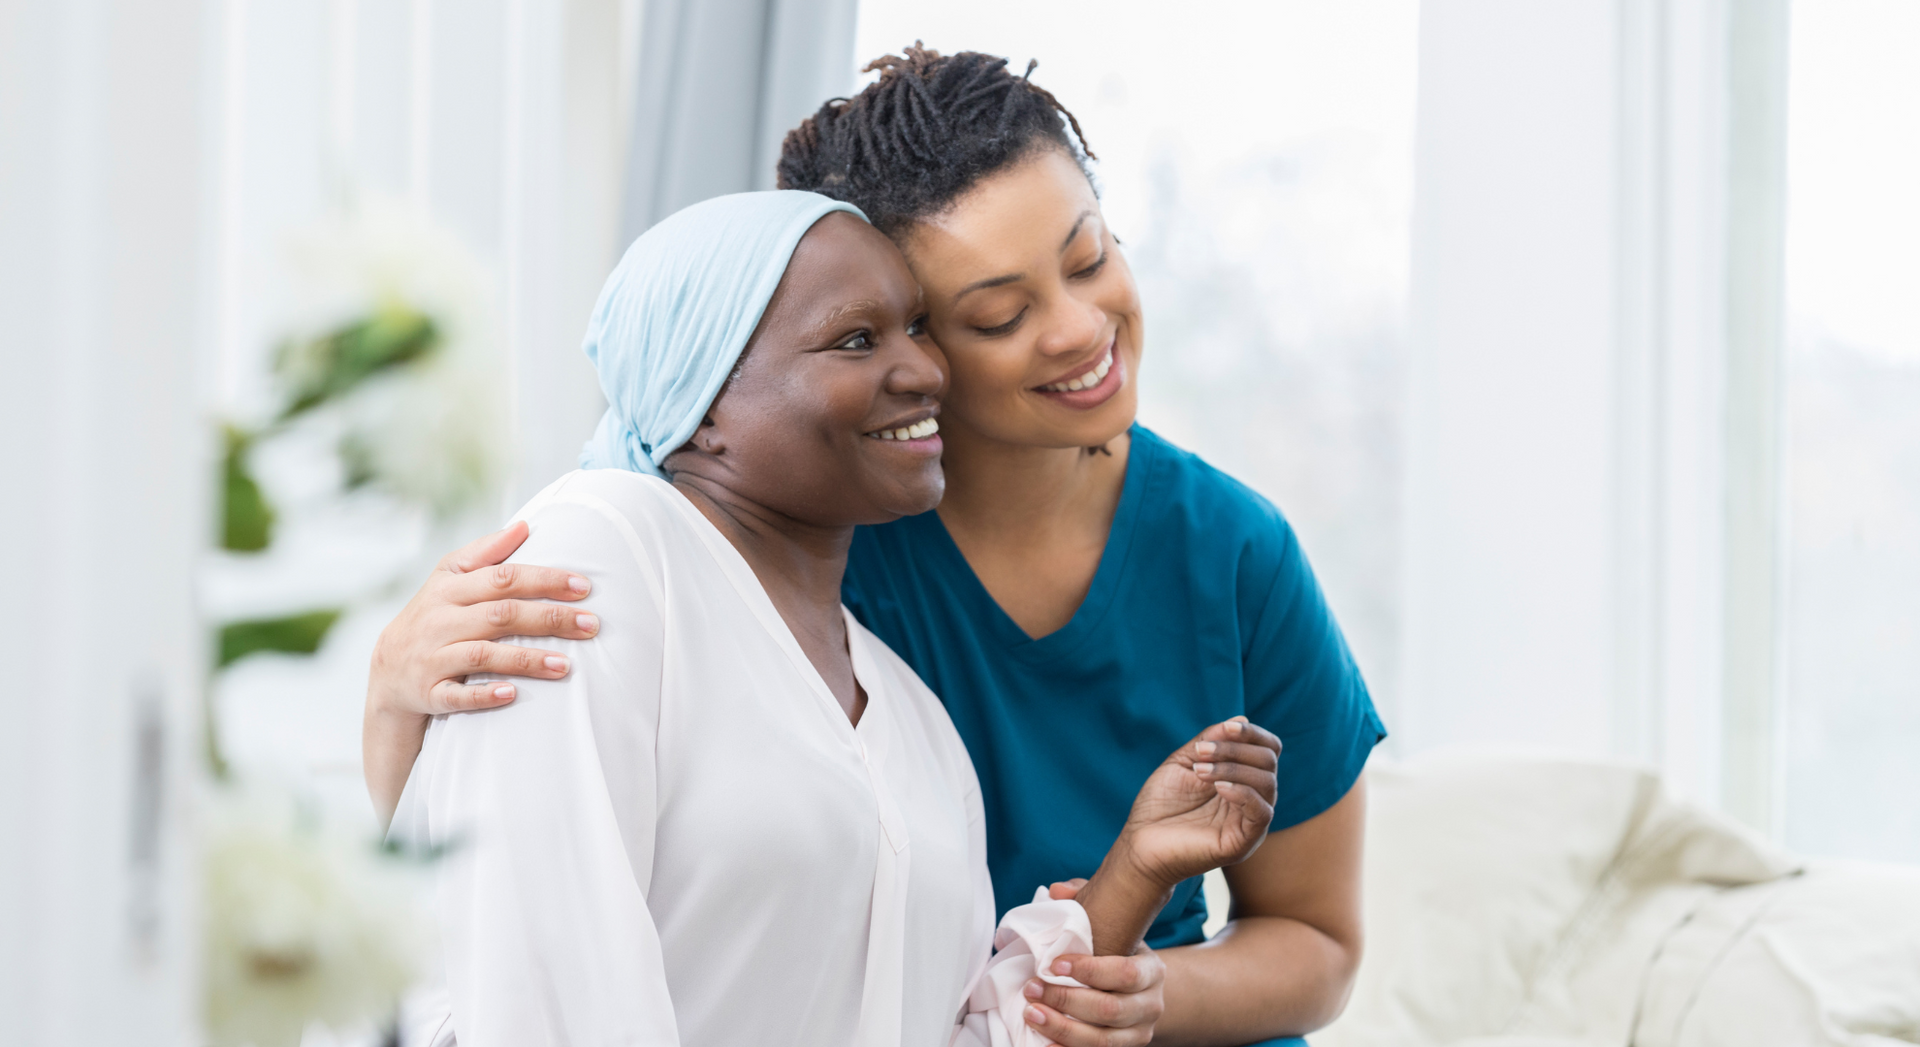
column 930, row 128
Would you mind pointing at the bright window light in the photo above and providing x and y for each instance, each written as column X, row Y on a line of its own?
column 1852, row 654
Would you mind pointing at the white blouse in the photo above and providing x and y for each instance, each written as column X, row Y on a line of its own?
column 685, row 841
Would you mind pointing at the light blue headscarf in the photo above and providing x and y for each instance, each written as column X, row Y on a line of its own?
column 675, row 315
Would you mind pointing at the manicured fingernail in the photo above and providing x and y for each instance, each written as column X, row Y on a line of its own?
column 1062, row 967
column 1203, row 768
column 1036, row 1016
column 556, row 663
column 578, row 584
column 504, row 691
column 1205, row 748
column 587, row 622
column 1033, row 990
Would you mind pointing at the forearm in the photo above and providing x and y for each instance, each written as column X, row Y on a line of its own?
column 389, row 743
column 1261, row 977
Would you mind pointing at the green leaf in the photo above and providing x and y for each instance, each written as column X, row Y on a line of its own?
column 419, row 853
column 246, row 520
column 297, row 634
column 334, row 363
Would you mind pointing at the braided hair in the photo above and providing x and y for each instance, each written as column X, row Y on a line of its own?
column 929, row 129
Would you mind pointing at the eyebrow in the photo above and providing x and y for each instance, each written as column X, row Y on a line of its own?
column 1001, row 281
column 837, row 319
column 1075, row 231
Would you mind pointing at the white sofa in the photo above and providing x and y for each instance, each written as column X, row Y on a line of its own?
column 1534, row 903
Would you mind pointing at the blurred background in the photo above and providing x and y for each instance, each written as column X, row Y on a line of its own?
column 1577, row 340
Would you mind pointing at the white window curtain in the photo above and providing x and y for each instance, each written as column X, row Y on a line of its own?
column 721, row 82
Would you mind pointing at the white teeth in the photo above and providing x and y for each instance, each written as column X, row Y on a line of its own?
column 1085, row 381
column 918, row 430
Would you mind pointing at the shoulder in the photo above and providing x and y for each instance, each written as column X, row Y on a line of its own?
column 627, row 493
column 1188, row 494
column 601, row 520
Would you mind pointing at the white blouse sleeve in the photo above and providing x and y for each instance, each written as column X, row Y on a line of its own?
column 1024, row 946
column 548, row 808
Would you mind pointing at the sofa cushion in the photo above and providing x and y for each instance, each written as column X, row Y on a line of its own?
column 1525, row 898
column 1830, row 958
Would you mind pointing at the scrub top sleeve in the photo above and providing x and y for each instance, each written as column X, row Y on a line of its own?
column 1302, row 684
column 548, row 806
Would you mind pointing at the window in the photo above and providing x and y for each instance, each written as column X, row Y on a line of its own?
column 1852, row 599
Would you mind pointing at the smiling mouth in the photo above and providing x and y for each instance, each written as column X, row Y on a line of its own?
column 917, row 431
column 1086, row 379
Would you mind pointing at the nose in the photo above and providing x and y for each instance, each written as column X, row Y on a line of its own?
column 1072, row 327
column 916, row 369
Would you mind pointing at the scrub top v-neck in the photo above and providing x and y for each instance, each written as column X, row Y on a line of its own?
column 1202, row 608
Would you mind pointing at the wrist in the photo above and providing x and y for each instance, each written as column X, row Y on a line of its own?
column 1125, row 862
column 387, row 700
column 383, row 705
column 1122, row 900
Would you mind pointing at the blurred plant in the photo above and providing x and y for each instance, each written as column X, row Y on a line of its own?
column 391, row 357
column 304, row 924
column 390, row 364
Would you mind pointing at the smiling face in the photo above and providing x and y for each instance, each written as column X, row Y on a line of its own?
column 829, row 418
column 1034, row 307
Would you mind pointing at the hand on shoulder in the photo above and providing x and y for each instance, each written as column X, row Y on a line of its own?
column 447, row 631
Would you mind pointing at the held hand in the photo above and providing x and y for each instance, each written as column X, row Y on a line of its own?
column 1119, row 1007
column 447, row 631
column 1207, row 806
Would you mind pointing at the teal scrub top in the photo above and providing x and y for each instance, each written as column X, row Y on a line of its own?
column 1203, row 608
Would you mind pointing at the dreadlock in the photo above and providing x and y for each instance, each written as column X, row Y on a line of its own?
column 925, row 132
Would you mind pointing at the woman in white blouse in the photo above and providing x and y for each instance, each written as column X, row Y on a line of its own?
column 740, row 818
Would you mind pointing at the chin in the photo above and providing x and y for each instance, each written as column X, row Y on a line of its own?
column 1108, row 422
column 911, row 496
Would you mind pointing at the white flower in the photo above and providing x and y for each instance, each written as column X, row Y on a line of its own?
column 431, row 431
column 379, row 252
column 304, row 923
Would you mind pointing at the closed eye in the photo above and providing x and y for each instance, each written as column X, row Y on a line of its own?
column 1093, row 270
column 996, row 331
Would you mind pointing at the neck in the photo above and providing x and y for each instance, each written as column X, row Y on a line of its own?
column 799, row 564
column 998, row 487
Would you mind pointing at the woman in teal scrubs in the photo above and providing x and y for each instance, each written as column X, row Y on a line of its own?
column 1086, row 597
